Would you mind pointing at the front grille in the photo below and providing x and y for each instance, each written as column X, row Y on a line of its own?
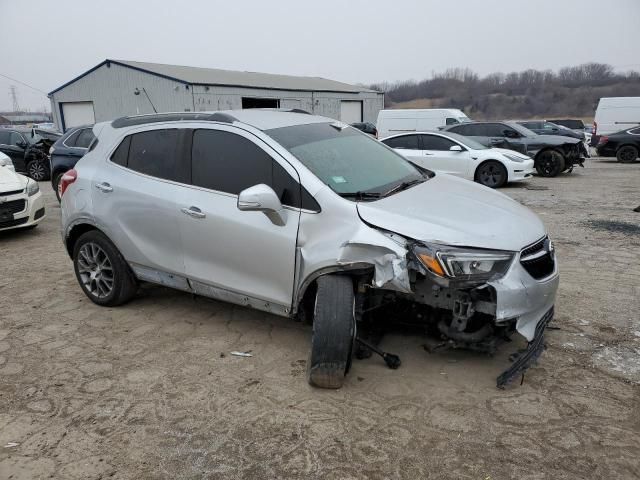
column 14, row 206
column 12, row 192
column 13, row 223
column 538, row 259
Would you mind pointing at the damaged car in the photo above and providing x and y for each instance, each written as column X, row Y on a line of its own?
column 552, row 154
column 28, row 152
column 306, row 217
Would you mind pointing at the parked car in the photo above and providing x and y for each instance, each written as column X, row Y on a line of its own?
column 392, row 122
column 366, row 127
column 623, row 145
column 301, row 215
column 21, row 203
column 572, row 123
column 552, row 154
column 5, row 162
column 542, row 127
column 614, row 114
column 448, row 152
column 27, row 152
column 67, row 151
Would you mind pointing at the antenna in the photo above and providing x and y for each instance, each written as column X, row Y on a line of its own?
column 14, row 97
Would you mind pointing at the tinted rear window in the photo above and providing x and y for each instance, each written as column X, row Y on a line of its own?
column 155, row 153
column 408, row 142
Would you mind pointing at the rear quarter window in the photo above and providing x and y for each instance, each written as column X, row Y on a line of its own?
column 155, row 153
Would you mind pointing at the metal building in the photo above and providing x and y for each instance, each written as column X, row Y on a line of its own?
column 115, row 88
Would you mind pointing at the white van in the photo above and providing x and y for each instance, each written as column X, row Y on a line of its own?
column 616, row 113
column 392, row 122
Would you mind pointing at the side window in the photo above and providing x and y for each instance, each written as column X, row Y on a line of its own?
column 635, row 131
column 495, row 129
column 155, row 153
column 85, row 138
column 434, row 142
column 451, row 121
column 15, row 138
column 4, row 138
column 408, row 142
column 121, row 155
column 72, row 139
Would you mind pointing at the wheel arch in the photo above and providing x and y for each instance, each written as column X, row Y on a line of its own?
column 75, row 231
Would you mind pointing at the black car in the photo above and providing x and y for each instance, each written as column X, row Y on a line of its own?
column 366, row 127
column 623, row 145
column 570, row 123
column 66, row 152
column 28, row 152
column 542, row 127
column 552, row 154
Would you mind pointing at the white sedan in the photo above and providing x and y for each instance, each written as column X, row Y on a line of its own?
column 461, row 156
column 21, row 203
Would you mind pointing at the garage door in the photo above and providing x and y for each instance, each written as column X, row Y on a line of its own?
column 350, row 111
column 76, row 114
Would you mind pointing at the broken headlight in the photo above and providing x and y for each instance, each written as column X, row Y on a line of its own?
column 464, row 263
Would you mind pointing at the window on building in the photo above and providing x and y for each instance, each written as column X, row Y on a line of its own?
column 252, row 102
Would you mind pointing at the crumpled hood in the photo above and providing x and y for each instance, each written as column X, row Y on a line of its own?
column 10, row 180
column 453, row 211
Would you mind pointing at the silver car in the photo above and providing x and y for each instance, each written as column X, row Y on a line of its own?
column 303, row 216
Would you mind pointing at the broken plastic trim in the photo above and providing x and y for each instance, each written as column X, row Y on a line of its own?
column 528, row 357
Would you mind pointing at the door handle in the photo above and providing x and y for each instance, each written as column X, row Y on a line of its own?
column 193, row 212
column 104, row 187
column 427, row 154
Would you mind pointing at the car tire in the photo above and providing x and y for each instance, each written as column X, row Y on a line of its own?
column 102, row 272
column 491, row 174
column 549, row 163
column 38, row 170
column 334, row 331
column 56, row 185
column 627, row 154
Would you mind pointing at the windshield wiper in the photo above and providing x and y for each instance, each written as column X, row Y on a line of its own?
column 402, row 186
column 360, row 195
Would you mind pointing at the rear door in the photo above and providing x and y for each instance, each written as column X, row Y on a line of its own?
column 408, row 146
column 439, row 157
column 135, row 195
column 235, row 255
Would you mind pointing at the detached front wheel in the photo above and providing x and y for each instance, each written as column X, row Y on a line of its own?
column 549, row 163
column 334, row 331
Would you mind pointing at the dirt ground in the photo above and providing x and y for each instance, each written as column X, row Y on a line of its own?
column 150, row 390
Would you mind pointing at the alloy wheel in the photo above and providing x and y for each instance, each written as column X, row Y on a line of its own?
column 37, row 171
column 95, row 270
column 490, row 175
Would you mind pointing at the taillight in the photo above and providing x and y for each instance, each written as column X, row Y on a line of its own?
column 67, row 179
column 595, row 127
column 603, row 139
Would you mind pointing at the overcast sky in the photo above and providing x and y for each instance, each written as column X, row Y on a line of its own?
column 46, row 43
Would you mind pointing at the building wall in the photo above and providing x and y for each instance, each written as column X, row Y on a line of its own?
column 111, row 89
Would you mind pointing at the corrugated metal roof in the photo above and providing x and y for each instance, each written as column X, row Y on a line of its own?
column 214, row 76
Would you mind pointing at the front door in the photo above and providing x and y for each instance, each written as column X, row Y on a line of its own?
column 438, row 156
column 234, row 255
column 13, row 144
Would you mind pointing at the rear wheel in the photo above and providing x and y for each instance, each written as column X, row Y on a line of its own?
column 491, row 174
column 549, row 163
column 334, row 331
column 38, row 170
column 102, row 272
column 627, row 154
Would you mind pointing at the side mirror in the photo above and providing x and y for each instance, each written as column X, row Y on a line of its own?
column 262, row 198
column 455, row 148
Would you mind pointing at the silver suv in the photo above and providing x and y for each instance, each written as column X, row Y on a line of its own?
column 306, row 217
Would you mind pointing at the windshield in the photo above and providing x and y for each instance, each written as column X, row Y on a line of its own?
column 347, row 160
column 466, row 141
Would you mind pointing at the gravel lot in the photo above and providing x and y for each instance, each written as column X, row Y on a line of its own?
column 149, row 390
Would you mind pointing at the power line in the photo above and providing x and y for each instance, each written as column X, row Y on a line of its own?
column 22, row 83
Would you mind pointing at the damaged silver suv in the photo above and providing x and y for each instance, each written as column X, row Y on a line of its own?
column 306, row 217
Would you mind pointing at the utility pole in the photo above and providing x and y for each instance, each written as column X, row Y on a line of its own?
column 14, row 98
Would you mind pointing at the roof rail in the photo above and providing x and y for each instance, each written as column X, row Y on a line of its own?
column 285, row 110
column 172, row 117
